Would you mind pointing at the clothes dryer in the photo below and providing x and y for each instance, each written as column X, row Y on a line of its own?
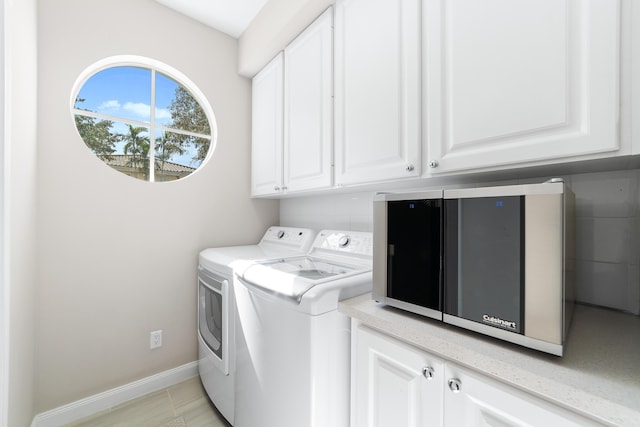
column 216, row 307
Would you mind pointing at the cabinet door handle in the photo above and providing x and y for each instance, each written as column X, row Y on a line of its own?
column 410, row 168
column 428, row 372
column 276, row 188
column 434, row 164
column 455, row 385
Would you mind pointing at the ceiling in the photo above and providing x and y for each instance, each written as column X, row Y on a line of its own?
column 229, row 16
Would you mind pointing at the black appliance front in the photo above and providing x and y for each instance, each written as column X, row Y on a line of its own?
column 414, row 241
column 484, row 261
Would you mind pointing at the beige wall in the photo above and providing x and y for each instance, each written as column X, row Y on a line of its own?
column 117, row 256
column 20, row 174
column 277, row 23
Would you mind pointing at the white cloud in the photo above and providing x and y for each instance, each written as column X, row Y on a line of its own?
column 139, row 109
column 162, row 113
column 109, row 106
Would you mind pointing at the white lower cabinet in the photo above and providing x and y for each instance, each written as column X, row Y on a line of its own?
column 396, row 384
column 475, row 400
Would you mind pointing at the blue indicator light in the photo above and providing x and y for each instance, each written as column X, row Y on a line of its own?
column 500, row 204
column 412, row 205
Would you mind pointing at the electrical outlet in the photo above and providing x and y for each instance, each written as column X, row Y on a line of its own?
column 155, row 339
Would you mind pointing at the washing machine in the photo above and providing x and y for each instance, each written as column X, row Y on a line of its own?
column 293, row 348
column 216, row 306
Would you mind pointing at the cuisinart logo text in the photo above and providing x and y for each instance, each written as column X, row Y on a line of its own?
column 499, row 322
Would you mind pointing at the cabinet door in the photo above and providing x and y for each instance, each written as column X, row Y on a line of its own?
column 377, row 99
column 479, row 401
column 509, row 82
column 266, row 129
column 308, row 107
column 389, row 386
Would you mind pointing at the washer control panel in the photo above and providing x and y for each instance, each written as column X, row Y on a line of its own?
column 352, row 242
column 292, row 236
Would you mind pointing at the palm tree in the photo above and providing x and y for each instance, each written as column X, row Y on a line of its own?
column 137, row 145
column 166, row 147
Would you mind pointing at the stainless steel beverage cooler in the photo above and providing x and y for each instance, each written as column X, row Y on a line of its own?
column 496, row 260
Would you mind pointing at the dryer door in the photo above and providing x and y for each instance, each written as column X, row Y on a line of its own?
column 213, row 318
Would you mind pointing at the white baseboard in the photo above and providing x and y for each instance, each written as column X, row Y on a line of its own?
column 110, row 398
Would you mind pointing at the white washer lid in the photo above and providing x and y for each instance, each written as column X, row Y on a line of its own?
column 293, row 277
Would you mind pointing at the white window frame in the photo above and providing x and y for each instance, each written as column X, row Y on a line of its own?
column 154, row 66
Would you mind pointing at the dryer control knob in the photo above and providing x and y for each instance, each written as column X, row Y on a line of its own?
column 280, row 234
column 344, row 241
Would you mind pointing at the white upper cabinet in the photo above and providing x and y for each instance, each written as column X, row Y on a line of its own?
column 398, row 89
column 377, row 95
column 308, row 107
column 292, row 123
column 509, row 82
column 266, row 129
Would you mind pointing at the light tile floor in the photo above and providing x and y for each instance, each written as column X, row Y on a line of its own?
column 183, row 405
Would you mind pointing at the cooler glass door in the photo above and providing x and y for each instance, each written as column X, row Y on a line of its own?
column 413, row 251
column 484, row 260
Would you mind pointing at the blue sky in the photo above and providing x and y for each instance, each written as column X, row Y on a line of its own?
column 125, row 92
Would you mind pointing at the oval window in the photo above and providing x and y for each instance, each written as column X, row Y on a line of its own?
column 143, row 118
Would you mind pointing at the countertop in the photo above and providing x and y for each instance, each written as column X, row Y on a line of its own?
column 598, row 376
